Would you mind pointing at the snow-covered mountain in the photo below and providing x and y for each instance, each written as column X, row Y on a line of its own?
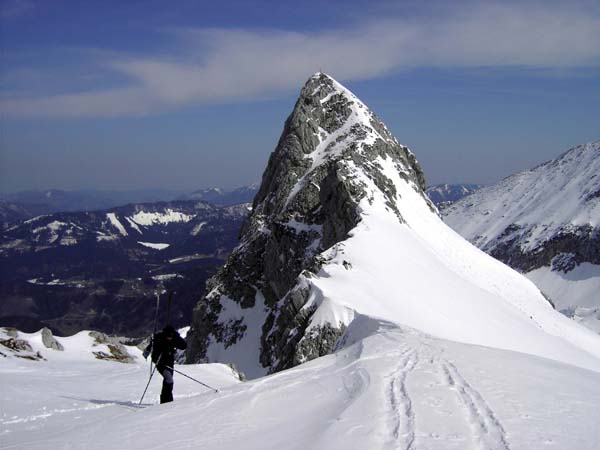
column 343, row 256
column 544, row 222
column 56, row 200
column 443, row 195
column 341, row 226
column 100, row 269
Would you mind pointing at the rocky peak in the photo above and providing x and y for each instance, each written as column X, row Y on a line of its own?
column 331, row 150
column 328, row 123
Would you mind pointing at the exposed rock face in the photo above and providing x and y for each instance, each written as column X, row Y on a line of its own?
column 49, row 341
column 307, row 203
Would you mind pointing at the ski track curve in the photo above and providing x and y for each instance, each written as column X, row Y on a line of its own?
column 401, row 410
column 488, row 432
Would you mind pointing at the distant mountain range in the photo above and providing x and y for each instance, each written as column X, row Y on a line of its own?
column 544, row 222
column 220, row 197
column 27, row 204
column 77, row 270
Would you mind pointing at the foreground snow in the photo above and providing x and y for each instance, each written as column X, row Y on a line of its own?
column 47, row 403
column 387, row 388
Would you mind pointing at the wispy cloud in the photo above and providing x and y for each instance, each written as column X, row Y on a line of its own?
column 223, row 65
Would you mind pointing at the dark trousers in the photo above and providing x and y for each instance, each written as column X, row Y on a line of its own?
column 166, row 395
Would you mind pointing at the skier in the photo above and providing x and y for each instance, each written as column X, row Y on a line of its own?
column 162, row 346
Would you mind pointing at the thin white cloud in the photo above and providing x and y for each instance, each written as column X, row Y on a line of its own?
column 219, row 65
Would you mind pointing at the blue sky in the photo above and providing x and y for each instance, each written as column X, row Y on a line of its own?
column 183, row 95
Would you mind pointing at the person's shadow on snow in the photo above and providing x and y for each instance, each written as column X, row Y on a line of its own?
column 96, row 401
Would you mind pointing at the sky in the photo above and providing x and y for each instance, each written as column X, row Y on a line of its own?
column 190, row 94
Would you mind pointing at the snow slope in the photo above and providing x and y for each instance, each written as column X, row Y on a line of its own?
column 45, row 403
column 424, row 275
column 387, row 387
column 564, row 191
column 544, row 222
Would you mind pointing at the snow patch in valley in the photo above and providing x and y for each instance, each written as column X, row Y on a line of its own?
column 35, row 219
column 198, row 228
column 115, row 223
column 104, row 237
column 134, row 225
column 153, row 245
column 68, row 240
column 166, row 276
column 151, row 218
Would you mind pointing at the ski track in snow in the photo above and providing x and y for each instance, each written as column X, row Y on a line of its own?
column 395, row 390
column 403, row 417
column 487, row 429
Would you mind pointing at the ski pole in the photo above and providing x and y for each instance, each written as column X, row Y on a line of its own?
column 193, row 379
column 150, row 379
column 148, row 384
column 155, row 322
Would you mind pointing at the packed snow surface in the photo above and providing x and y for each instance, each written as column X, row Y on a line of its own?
column 387, row 387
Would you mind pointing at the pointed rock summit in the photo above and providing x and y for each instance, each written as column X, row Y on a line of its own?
column 327, row 161
column 341, row 228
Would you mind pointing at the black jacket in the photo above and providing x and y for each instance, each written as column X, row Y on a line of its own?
column 163, row 351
